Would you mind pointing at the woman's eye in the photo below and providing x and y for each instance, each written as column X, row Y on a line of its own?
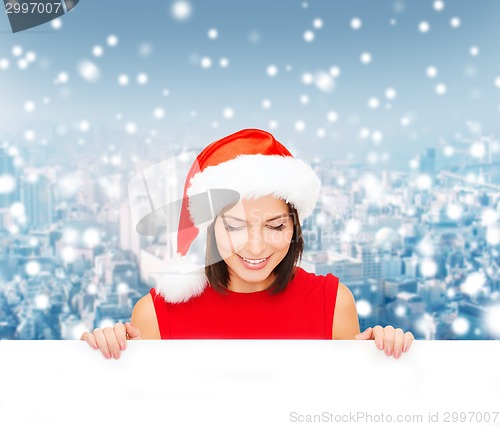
column 232, row 228
column 278, row 228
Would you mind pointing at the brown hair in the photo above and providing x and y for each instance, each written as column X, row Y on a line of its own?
column 217, row 272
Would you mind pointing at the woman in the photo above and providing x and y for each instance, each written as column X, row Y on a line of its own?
column 251, row 286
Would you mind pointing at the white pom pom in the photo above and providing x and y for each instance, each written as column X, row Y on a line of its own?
column 180, row 280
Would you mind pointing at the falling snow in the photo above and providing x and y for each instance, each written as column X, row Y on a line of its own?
column 212, row 33
column 123, row 79
column 438, row 5
column 89, row 71
column 356, row 23
column 181, row 10
column 97, row 51
column 424, row 27
column 366, row 58
column 363, row 308
column 112, row 40
column 318, row 23
column 440, row 89
column 206, row 62
column 309, row 36
column 272, row 70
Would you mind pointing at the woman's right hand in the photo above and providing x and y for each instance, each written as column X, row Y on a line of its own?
column 112, row 340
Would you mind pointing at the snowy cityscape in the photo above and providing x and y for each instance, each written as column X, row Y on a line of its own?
column 395, row 105
column 418, row 249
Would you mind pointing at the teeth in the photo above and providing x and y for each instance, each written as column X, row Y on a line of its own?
column 253, row 261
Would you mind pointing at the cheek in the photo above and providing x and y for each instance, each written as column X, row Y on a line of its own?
column 229, row 242
column 280, row 240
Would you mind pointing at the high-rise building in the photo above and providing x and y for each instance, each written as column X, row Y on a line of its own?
column 8, row 171
column 427, row 163
column 370, row 257
column 325, row 262
column 37, row 197
column 392, row 287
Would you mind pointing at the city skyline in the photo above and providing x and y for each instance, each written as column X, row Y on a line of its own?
column 395, row 104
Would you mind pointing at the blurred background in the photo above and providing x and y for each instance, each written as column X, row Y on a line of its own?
column 394, row 103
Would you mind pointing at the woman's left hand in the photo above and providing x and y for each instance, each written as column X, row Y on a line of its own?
column 394, row 341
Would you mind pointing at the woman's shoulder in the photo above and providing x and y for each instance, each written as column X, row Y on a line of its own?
column 144, row 317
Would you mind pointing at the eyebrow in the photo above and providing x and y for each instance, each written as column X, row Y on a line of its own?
column 242, row 220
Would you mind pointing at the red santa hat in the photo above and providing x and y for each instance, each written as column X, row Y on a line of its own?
column 250, row 163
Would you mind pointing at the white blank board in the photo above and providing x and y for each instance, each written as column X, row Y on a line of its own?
column 247, row 382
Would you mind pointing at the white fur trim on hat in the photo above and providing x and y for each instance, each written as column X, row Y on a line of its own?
column 180, row 280
column 258, row 175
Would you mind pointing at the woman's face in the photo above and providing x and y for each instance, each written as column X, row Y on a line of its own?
column 252, row 238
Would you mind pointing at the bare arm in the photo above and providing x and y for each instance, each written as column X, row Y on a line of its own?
column 345, row 317
column 144, row 318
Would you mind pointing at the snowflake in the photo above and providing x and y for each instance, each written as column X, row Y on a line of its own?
column 266, row 104
column 206, row 62
column 309, row 36
column 300, row 126
column 32, row 268
column 97, row 51
column 390, row 93
column 29, row 106
column 440, row 89
column 364, row 308
column 356, row 23
column 228, row 113
column 460, row 326
column 212, row 33
column 122, row 79
column 112, row 40
column 142, row 78
column 89, row 71
column 318, row 23
column 272, row 70
column 366, row 58
column 56, row 24
column 42, row 301
column 91, row 237
column 424, row 27
column 159, row 113
column 332, row 116
column 181, row 10
column 438, row 5
column 473, row 283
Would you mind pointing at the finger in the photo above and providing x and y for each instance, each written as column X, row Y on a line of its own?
column 399, row 335
column 102, row 343
column 378, row 333
column 365, row 335
column 133, row 332
column 114, row 347
column 389, row 340
column 90, row 339
column 121, row 335
column 408, row 340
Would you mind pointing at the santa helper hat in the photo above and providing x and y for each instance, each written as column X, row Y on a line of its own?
column 251, row 162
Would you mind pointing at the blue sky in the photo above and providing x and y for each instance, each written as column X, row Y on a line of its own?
column 324, row 119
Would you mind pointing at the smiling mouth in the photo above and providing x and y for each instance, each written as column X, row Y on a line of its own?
column 254, row 261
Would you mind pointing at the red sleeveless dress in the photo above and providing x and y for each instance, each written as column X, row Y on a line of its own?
column 303, row 311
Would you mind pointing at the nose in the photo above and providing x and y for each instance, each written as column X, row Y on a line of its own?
column 255, row 244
